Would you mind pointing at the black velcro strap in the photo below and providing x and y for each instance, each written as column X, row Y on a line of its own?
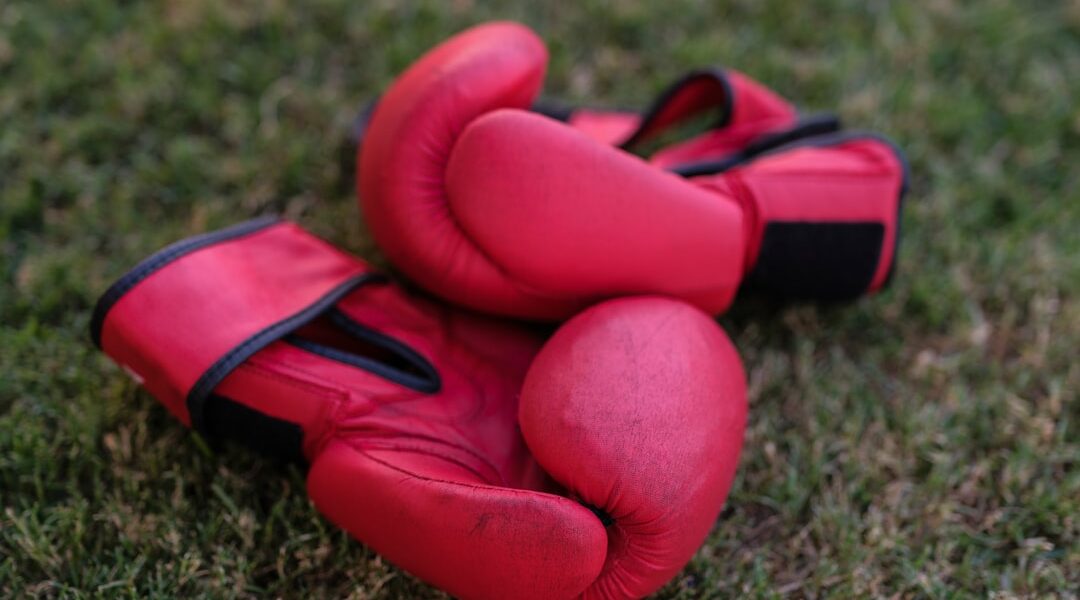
column 817, row 261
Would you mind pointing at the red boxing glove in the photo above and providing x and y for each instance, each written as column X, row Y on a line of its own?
column 507, row 211
column 603, row 482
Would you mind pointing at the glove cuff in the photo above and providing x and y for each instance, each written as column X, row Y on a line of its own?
column 186, row 317
column 822, row 210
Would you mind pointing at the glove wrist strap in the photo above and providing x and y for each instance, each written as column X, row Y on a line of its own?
column 184, row 318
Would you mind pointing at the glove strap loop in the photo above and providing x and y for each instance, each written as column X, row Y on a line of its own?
column 692, row 94
column 186, row 317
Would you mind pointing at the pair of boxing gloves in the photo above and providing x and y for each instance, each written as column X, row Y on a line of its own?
column 478, row 454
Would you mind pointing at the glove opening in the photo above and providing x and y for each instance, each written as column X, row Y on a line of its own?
column 335, row 335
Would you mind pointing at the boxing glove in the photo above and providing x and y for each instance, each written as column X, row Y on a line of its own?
column 508, row 211
column 601, row 481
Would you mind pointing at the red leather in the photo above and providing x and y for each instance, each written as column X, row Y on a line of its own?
column 605, row 126
column 212, row 317
column 649, row 391
column 755, row 111
column 418, row 444
column 513, row 213
column 407, row 145
column 575, row 235
column 849, row 180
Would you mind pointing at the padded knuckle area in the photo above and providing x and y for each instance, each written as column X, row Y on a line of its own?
column 473, row 541
column 569, row 216
column 638, row 406
column 402, row 163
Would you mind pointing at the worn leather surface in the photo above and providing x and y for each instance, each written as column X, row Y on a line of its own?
column 462, row 448
column 510, row 212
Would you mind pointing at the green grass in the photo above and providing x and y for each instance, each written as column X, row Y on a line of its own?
column 921, row 443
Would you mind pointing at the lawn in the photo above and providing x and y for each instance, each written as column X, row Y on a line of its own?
column 920, row 443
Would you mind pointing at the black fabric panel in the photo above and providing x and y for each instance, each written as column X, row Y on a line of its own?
column 817, row 261
column 553, row 110
column 226, row 419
